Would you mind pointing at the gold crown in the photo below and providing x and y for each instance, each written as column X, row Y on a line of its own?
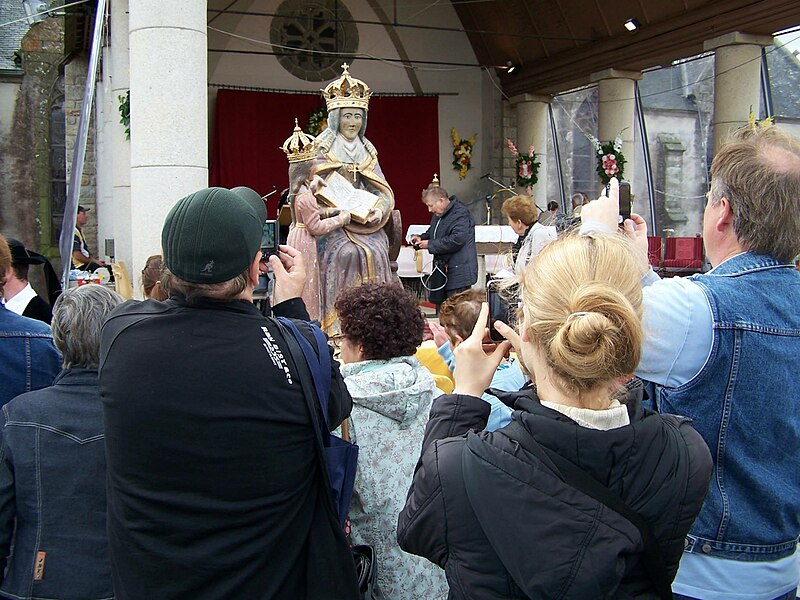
column 299, row 146
column 346, row 92
column 435, row 179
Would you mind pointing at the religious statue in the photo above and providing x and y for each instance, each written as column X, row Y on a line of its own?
column 309, row 219
column 359, row 251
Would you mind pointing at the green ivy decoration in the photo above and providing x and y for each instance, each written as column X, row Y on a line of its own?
column 317, row 121
column 125, row 113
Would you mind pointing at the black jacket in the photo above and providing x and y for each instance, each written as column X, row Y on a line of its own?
column 503, row 525
column 451, row 240
column 214, row 481
column 38, row 309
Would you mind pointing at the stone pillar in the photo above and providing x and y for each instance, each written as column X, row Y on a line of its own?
column 737, row 80
column 532, row 128
column 120, row 167
column 615, row 111
column 169, row 115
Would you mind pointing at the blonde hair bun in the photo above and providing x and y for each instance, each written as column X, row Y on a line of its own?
column 582, row 302
column 595, row 345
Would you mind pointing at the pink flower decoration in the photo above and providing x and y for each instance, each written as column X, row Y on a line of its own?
column 610, row 165
column 511, row 147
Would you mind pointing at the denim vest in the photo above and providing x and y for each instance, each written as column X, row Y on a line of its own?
column 744, row 402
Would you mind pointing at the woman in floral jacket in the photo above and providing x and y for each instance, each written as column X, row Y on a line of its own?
column 392, row 395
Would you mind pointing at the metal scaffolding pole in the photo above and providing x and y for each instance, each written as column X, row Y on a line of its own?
column 74, row 188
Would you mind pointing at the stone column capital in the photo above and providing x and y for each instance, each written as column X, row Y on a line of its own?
column 522, row 98
column 736, row 38
column 615, row 74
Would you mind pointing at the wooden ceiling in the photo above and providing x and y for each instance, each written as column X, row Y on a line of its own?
column 557, row 44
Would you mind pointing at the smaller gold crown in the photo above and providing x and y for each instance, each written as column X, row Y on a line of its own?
column 299, row 146
column 435, row 179
column 346, row 92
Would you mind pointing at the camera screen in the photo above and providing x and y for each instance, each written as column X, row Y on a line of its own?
column 625, row 200
column 269, row 238
column 498, row 310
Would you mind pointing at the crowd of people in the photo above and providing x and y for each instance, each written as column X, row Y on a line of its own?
column 641, row 441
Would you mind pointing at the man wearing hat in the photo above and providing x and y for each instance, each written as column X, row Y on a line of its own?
column 19, row 295
column 215, row 485
column 81, row 255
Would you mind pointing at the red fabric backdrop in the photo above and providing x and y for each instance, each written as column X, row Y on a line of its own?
column 249, row 128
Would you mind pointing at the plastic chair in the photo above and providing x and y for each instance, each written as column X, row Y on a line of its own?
column 655, row 249
column 684, row 254
column 122, row 280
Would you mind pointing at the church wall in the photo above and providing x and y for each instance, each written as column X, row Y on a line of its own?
column 677, row 152
column 74, row 87
column 24, row 138
column 9, row 90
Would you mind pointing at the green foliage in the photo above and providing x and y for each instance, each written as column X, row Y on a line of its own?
column 125, row 113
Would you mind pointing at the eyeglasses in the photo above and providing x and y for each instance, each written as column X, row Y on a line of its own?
column 336, row 341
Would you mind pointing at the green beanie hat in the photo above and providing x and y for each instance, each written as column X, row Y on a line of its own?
column 212, row 235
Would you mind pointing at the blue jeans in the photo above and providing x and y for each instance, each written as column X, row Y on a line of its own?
column 787, row 596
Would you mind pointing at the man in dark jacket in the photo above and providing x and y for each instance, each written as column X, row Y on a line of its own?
column 503, row 525
column 451, row 241
column 215, row 487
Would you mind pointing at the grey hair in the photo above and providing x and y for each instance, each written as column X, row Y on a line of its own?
column 333, row 121
column 78, row 316
column 224, row 291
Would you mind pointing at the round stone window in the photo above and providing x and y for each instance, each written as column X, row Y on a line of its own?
column 320, row 25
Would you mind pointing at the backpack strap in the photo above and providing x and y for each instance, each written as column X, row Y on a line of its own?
column 319, row 363
column 579, row 479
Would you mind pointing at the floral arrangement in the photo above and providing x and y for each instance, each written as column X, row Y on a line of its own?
column 317, row 121
column 610, row 160
column 527, row 167
column 462, row 153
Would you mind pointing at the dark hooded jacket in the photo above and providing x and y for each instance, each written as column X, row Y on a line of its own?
column 503, row 525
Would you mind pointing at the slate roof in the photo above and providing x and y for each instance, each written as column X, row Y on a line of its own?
column 11, row 35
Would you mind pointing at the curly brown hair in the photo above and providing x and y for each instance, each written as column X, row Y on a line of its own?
column 381, row 317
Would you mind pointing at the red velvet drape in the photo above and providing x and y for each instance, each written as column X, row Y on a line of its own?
column 249, row 128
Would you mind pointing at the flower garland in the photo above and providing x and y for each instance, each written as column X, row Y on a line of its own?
column 462, row 153
column 610, row 160
column 317, row 121
column 527, row 167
